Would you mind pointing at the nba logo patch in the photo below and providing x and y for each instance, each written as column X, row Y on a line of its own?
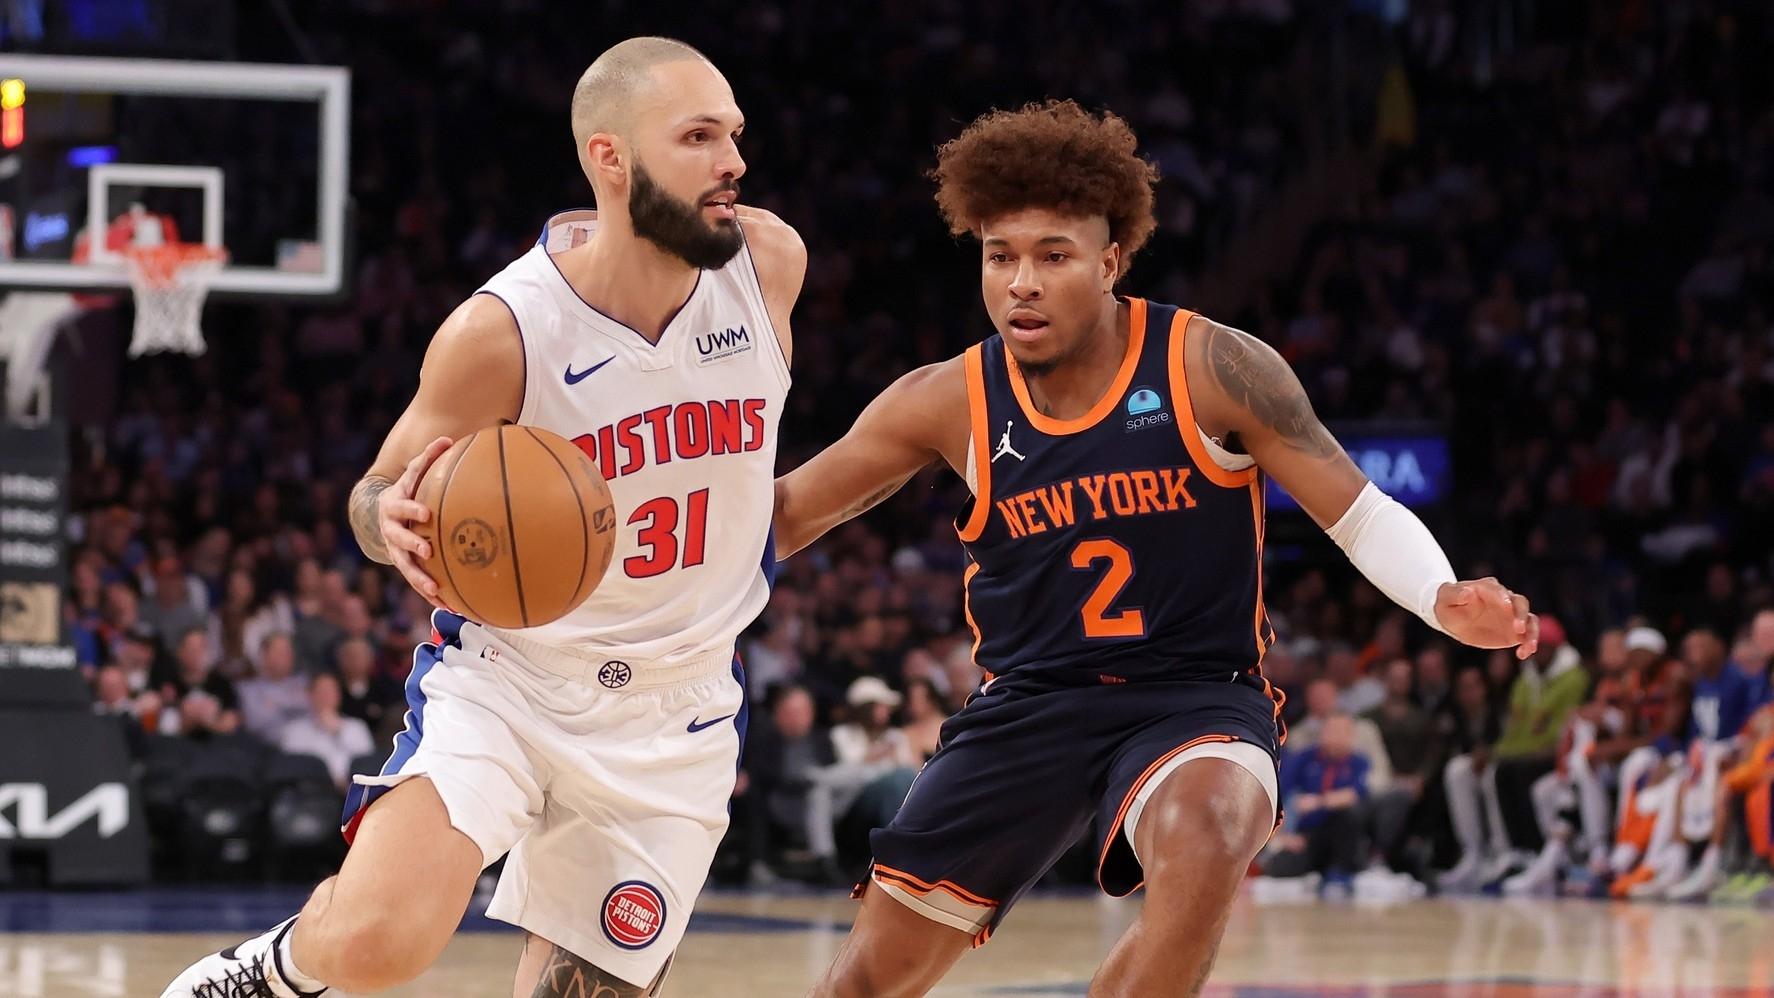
column 1143, row 400
column 634, row 912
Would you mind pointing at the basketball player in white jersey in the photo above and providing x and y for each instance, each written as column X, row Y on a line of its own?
column 600, row 750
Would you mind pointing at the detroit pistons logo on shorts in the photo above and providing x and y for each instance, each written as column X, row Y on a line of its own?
column 634, row 912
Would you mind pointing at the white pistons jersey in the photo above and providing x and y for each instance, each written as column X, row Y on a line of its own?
column 684, row 432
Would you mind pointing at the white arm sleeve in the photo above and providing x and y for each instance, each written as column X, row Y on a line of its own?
column 1395, row 551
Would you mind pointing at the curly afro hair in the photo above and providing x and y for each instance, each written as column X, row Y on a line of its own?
column 1055, row 155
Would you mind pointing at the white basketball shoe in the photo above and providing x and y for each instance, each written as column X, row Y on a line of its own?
column 252, row 969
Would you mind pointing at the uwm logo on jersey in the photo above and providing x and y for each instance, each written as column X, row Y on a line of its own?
column 721, row 345
column 682, row 432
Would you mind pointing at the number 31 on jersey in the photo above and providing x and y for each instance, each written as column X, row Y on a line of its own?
column 658, row 520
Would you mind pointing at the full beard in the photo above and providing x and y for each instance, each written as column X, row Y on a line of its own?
column 678, row 228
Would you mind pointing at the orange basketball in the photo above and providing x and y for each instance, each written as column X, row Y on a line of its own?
column 522, row 526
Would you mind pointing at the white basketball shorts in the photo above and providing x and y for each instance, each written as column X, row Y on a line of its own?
column 606, row 781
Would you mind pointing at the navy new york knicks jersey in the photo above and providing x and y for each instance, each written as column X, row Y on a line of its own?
column 1110, row 548
column 1115, row 594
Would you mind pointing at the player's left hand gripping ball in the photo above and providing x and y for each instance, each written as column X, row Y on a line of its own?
column 1484, row 614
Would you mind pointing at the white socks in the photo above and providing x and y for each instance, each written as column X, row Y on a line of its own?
column 286, row 961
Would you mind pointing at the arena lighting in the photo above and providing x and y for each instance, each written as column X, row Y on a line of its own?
column 12, row 113
column 84, row 156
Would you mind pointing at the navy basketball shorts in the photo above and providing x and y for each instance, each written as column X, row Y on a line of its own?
column 1021, row 775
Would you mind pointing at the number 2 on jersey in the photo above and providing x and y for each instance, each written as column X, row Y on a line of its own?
column 660, row 535
column 1099, row 622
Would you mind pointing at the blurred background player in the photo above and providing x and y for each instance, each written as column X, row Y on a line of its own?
column 1123, row 684
column 608, row 848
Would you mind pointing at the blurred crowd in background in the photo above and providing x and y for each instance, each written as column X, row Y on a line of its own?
column 1557, row 251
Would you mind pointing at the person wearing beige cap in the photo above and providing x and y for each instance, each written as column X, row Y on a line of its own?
column 869, row 749
column 1646, row 640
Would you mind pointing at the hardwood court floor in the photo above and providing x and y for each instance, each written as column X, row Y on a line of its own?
column 762, row 945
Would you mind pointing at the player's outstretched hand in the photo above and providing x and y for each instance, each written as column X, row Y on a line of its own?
column 1483, row 614
column 397, row 510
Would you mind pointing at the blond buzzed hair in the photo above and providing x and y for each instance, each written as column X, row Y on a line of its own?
column 604, row 99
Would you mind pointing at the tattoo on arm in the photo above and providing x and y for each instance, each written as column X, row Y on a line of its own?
column 880, row 496
column 1206, row 967
column 568, row 976
column 364, row 500
column 1262, row 383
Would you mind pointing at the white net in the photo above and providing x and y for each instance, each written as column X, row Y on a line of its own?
column 29, row 321
column 170, row 283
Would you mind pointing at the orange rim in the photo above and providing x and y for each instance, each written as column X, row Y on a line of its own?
column 160, row 266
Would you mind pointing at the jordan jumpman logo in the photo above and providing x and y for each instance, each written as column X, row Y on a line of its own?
column 1004, row 445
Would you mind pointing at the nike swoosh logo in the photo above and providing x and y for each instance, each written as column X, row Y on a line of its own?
column 573, row 379
column 228, row 954
column 696, row 726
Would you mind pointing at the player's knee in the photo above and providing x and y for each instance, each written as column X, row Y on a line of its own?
column 1219, row 822
column 375, row 951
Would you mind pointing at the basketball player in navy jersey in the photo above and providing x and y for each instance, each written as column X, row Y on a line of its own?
column 599, row 751
column 1116, row 449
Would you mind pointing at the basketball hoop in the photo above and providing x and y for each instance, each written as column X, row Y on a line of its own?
column 170, row 282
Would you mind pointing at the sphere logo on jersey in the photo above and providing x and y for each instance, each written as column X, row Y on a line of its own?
column 634, row 912
column 615, row 675
column 1145, row 409
column 476, row 543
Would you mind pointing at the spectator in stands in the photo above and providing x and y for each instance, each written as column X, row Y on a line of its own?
column 870, row 753
column 134, row 654
column 775, row 657
column 1410, row 740
column 197, row 702
column 1724, row 694
column 869, row 738
column 1680, row 792
column 1743, row 797
column 1579, row 776
column 924, row 714
column 1357, row 693
column 1385, row 807
column 1753, row 654
column 1322, row 789
column 111, row 696
column 1321, row 704
column 369, row 696
column 784, row 755
column 121, row 616
column 318, row 604
column 326, row 734
column 1490, row 788
column 355, row 620
column 176, row 606
column 1467, row 722
column 243, row 622
column 1434, row 687
column 276, row 695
